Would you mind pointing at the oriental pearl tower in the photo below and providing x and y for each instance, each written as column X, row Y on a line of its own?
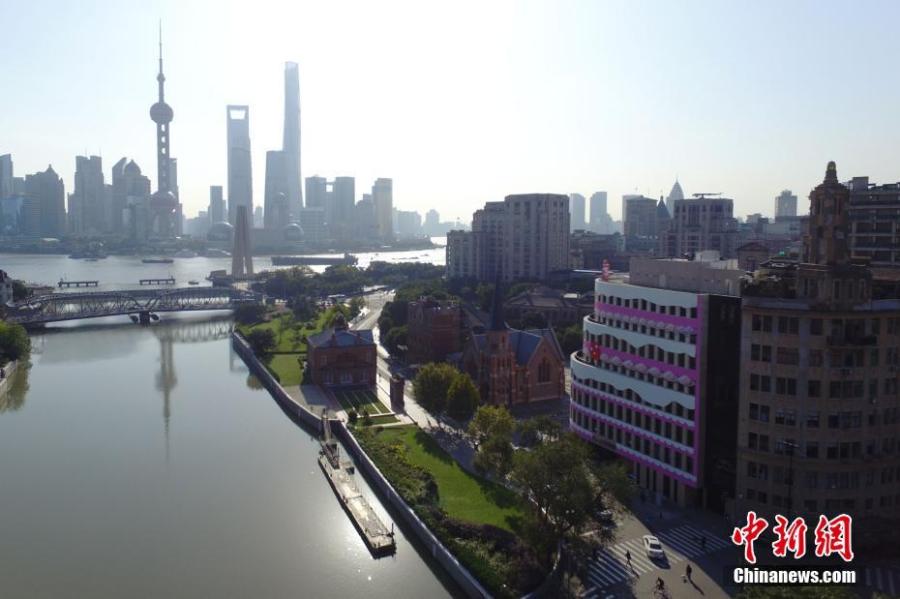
column 163, row 203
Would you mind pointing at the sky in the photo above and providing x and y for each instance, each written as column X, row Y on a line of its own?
column 463, row 102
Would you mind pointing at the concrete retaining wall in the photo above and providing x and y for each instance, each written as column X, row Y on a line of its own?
column 275, row 389
column 8, row 371
column 468, row 583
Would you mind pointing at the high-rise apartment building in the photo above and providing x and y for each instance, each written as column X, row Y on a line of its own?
column 576, row 212
column 317, row 192
column 129, row 201
column 343, row 199
column 785, row 205
column 240, row 171
column 383, row 199
column 87, row 202
column 655, row 380
column 409, row 224
column 216, row 209
column 640, row 222
column 700, row 223
column 819, row 397
column 874, row 224
column 44, row 208
column 525, row 237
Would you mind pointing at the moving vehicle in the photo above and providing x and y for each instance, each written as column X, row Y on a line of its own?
column 653, row 548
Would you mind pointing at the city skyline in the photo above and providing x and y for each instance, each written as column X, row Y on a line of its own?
column 744, row 123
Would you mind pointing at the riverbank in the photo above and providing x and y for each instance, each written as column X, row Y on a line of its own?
column 466, row 581
column 6, row 374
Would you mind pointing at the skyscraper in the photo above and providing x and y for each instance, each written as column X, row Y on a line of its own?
column 216, row 205
column 785, row 204
column 240, row 172
column 163, row 203
column 343, row 200
column 87, row 210
column 599, row 214
column 278, row 211
column 576, row 211
column 675, row 194
column 316, row 192
column 291, row 143
column 44, row 209
column 383, row 199
column 241, row 257
column 6, row 176
column 130, row 194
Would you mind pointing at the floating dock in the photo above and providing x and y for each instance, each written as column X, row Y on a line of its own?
column 166, row 281
column 378, row 538
column 62, row 283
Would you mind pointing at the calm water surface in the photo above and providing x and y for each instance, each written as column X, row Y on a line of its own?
column 141, row 462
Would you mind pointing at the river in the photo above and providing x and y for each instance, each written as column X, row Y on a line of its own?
column 144, row 462
column 123, row 272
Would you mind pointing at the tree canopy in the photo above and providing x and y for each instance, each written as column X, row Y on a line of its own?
column 462, row 397
column 14, row 342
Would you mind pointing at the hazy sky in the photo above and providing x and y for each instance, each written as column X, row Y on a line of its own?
column 462, row 103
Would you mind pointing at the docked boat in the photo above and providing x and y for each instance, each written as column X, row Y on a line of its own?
column 346, row 259
column 193, row 282
column 157, row 261
column 378, row 538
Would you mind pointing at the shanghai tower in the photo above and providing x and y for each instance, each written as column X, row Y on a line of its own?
column 291, row 143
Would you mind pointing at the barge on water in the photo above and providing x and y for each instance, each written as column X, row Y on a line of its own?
column 346, row 259
column 376, row 535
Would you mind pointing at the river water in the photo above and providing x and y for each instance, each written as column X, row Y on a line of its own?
column 145, row 462
column 123, row 272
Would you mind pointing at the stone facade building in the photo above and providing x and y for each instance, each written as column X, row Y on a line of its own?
column 340, row 357
column 820, row 408
column 511, row 366
column 557, row 307
column 433, row 330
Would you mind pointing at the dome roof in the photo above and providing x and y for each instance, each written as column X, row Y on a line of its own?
column 220, row 231
column 293, row 232
column 163, row 199
column 161, row 113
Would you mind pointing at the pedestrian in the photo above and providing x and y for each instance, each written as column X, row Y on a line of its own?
column 687, row 571
column 659, row 583
column 628, row 558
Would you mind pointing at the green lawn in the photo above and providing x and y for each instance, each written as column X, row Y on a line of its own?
column 384, row 419
column 287, row 368
column 288, row 333
column 461, row 494
column 362, row 400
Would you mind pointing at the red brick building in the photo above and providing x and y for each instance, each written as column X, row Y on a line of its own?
column 510, row 366
column 339, row 357
column 433, row 330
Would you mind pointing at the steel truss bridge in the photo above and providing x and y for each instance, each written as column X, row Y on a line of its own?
column 56, row 307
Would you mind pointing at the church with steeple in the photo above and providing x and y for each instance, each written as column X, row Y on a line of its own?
column 511, row 366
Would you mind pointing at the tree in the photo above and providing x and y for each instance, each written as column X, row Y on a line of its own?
column 262, row 341
column 492, row 429
column 615, row 487
column 303, row 306
column 431, row 385
column 539, row 429
column 395, row 338
column 20, row 291
column 534, row 320
column 570, row 339
column 557, row 480
column 462, row 397
column 356, row 305
column 14, row 342
column 249, row 313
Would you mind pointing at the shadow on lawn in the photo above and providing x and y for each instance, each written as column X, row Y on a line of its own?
column 432, row 448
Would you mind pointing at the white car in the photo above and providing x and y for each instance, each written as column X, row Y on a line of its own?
column 653, row 547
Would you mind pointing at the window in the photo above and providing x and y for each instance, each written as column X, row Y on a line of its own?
column 815, row 326
column 812, row 420
column 815, row 358
column 813, row 388
column 789, row 356
column 544, row 372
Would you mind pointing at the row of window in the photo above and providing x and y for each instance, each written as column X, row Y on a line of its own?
column 642, row 376
column 831, row 451
column 646, row 329
column 673, row 408
column 648, row 448
column 651, row 352
column 811, row 479
column 646, row 306
column 813, row 506
column 838, row 327
column 647, row 422
column 844, row 389
column 837, row 358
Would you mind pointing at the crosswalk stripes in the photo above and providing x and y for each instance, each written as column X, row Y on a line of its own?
column 886, row 580
column 611, row 566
